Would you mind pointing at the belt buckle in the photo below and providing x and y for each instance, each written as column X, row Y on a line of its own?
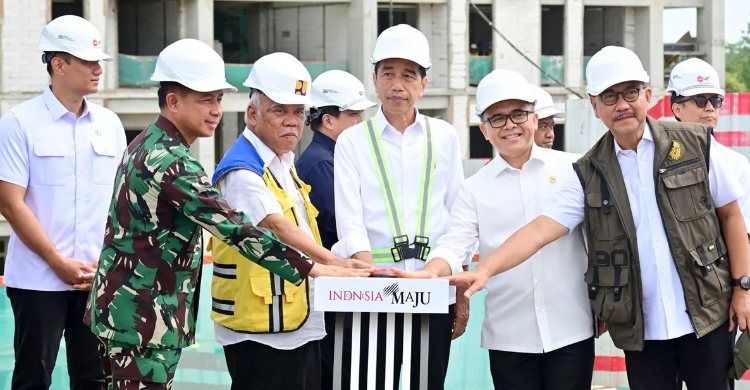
column 400, row 246
column 421, row 247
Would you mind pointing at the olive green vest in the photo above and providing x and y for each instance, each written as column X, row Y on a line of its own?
column 690, row 222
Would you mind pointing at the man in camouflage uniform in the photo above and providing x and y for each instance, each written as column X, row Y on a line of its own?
column 143, row 304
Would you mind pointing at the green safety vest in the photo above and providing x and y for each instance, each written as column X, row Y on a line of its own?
column 391, row 202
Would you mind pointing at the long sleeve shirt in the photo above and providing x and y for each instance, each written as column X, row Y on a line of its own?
column 315, row 168
column 149, row 267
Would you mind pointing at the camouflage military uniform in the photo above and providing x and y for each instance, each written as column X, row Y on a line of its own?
column 142, row 303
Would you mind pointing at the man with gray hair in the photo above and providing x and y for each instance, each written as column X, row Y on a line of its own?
column 271, row 339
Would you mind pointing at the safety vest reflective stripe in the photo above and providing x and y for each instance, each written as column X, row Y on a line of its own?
column 389, row 196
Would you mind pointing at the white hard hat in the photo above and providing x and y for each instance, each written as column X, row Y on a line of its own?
column 502, row 84
column 73, row 35
column 545, row 106
column 693, row 77
column 405, row 42
column 340, row 89
column 613, row 65
column 282, row 78
column 193, row 64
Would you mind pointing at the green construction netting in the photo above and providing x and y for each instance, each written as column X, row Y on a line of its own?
column 479, row 66
column 136, row 71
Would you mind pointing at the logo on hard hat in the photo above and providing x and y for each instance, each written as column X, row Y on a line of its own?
column 702, row 79
column 328, row 90
column 97, row 43
column 301, row 88
column 361, row 93
column 65, row 38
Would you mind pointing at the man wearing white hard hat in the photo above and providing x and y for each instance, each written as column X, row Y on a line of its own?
column 58, row 157
column 666, row 238
column 144, row 301
column 697, row 97
column 414, row 160
column 339, row 100
column 538, row 325
column 547, row 112
column 271, row 345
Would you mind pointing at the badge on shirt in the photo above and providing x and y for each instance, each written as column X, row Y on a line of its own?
column 552, row 179
column 98, row 132
column 678, row 150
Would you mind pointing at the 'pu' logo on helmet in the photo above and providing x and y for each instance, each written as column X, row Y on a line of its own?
column 301, row 88
column 97, row 43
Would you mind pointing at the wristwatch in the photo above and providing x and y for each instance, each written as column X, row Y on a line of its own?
column 743, row 282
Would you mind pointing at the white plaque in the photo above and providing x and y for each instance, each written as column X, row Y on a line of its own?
column 381, row 295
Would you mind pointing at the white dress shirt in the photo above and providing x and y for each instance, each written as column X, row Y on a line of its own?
column 740, row 171
column 665, row 313
column 540, row 305
column 246, row 190
column 68, row 168
column 362, row 219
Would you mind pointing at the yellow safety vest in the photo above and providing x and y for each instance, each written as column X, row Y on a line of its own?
column 248, row 298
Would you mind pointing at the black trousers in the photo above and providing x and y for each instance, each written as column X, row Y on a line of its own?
column 441, row 329
column 256, row 366
column 701, row 363
column 41, row 320
column 568, row 368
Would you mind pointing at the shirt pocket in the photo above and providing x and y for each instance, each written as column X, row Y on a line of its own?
column 104, row 161
column 52, row 164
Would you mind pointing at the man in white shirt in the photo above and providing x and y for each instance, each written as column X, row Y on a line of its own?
column 666, row 238
column 538, row 325
column 58, row 157
column 283, row 355
column 697, row 97
column 417, row 160
column 547, row 112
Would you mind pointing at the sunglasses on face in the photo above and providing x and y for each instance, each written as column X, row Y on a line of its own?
column 701, row 101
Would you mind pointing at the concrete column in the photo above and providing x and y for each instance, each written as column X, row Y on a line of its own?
column 649, row 44
column 459, row 118
column 458, row 39
column 103, row 15
column 629, row 28
column 363, row 31
column 711, row 34
column 573, row 45
column 521, row 23
column 197, row 22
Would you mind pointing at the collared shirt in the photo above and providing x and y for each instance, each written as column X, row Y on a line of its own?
column 741, row 171
column 540, row 305
column 67, row 166
column 665, row 313
column 247, row 191
column 315, row 168
column 361, row 215
column 144, row 290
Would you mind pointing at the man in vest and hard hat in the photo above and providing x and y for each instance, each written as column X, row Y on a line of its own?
column 547, row 112
column 413, row 160
column 697, row 97
column 538, row 325
column 666, row 238
column 339, row 100
column 268, row 327
column 58, row 157
column 144, row 301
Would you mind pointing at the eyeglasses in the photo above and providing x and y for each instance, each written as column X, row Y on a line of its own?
column 499, row 120
column 550, row 127
column 629, row 95
column 701, row 101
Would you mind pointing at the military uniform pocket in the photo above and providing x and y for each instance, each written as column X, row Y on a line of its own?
column 609, row 293
column 688, row 194
column 711, row 271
